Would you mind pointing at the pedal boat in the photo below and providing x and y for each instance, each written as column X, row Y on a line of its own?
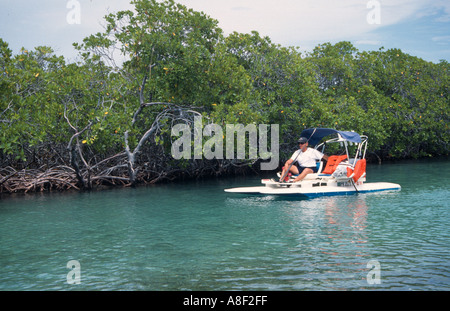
column 342, row 174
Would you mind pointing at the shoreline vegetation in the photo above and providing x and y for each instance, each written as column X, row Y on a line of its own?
column 106, row 119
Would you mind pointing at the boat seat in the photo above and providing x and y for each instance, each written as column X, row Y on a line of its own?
column 332, row 163
column 319, row 166
column 358, row 172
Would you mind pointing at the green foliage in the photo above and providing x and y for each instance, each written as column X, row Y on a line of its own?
column 26, row 98
column 164, row 52
column 396, row 99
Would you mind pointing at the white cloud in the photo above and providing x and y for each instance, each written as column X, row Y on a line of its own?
column 291, row 22
column 369, row 42
column 441, row 39
column 33, row 23
column 440, row 9
column 304, row 23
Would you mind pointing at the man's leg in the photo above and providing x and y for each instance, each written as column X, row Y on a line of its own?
column 293, row 170
column 302, row 175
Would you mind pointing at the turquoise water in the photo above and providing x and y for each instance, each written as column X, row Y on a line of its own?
column 194, row 236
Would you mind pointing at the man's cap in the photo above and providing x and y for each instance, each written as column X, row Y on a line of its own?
column 303, row 140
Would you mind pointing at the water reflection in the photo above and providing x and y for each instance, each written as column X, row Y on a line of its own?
column 331, row 240
column 197, row 237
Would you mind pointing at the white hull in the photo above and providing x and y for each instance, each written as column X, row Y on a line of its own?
column 296, row 190
column 342, row 175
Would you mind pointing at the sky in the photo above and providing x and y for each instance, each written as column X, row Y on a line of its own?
column 418, row 27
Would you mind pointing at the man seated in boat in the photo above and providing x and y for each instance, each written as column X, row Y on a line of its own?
column 303, row 161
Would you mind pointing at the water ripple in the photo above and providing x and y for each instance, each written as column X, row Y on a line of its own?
column 196, row 237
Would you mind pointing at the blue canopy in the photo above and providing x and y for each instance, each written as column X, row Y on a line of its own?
column 315, row 135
